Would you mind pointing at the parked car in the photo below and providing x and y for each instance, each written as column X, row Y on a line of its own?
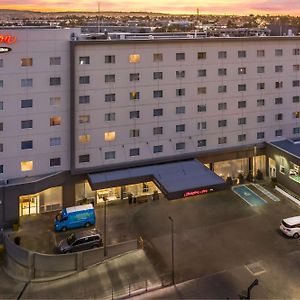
column 79, row 241
column 291, row 226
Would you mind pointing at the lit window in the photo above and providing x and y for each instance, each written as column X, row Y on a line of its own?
column 84, row 60
column 241, row 71
column 134, row 95
column 55, row 101
column 55, row 121
column 55, row 61
column 157, row 57
column 134, row 58
column 84, row 139
column 296, row 114
column 26, row 62
column 109, row 136
column 201, row 90
column 84, row 119
column 26, row 165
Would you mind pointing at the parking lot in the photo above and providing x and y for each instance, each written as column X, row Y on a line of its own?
column 213, row 232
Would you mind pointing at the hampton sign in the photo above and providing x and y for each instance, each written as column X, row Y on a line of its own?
column 7, row 39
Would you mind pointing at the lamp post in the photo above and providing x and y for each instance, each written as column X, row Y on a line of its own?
column 172, row 246
column 254, row 162
column 104, row 229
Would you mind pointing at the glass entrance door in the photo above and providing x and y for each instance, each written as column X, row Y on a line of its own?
column 29, row 205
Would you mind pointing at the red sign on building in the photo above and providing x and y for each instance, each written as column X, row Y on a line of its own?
column 8, row 39
column 195, row 193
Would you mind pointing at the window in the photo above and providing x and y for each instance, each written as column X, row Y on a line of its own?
column 84, row 158
column 241, row 53
column 134, row 133
column 260, row 53
column 1, row 147
column 110, row 117
column 260, row 135
column 109, row 155
column 26, row 62
column 157, row 75
column 158, row 94
column 1, row 126
column 180, row 74
column 26, row 124
column 110, row 59
column 55, row 61
column 222, row 140
column 278, row 52
column 180, row 56
column 85, row 99
column 278, row 132
column 242, row 121
column 222, row 72
column 55, row 101
column 278, row 100
column 110, row 78
column 1, row 63
column 1, row 169
column 201, row 125
column 110, row 97
column 84, row 79
column 222, row 54
column 109, row 136
column 296, row 114
column 296, row 83
column 180, row 146
column 296, row 68
column 201, row 107
column 278, row 84
column 201, row 55
column 26, row 103
column 278, row 69
column 242, row 137
column 1, row 105
column 242, row 87
column 26, row 165
column 55, row 141
column 296, row 130
column 260, row 69
column 296, row 99
column 84, row 119
column 157, row 112
column 134, row 76
column 180, row 110
column 54, row 162
column 296, row 51
column 180, row 92
column 242, row 71
column 180, row 128
column 134, row 58
column 134, row 95
column 242, row 104
column 260, row 119
column 26, row 145
column 260, row 85
column 201, row 90
column 158, row 149
column 202, row 73
column 157, row 130
column 222, row 106
column 134, row 152
column 1, row 83
column 260, row 102
column 222, row 89
column 55, row 121
column 27, row 82
column 157, row 57
column 134, row 114
column 55, row 81
column 84, row 138
column 84, row 60
column 222, row 123
column 201, row 143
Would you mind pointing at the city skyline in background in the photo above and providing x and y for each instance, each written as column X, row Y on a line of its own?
column 273, row 7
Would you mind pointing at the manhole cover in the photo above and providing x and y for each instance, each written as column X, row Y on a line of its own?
column 255, row 268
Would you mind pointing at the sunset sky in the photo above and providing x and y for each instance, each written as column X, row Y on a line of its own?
column 168, row 6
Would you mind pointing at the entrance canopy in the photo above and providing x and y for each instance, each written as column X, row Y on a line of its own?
column 175, row 180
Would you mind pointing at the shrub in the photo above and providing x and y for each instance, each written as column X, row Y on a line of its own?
column 259, row 175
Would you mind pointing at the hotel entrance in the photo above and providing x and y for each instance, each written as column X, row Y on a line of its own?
column 29, row 205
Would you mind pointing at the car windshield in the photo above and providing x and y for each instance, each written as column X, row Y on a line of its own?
column 71, row 238
column 286, row 224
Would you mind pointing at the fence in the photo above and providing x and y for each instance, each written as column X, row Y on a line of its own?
column 27, row 265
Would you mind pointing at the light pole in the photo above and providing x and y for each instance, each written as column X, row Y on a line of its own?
column 254, row 163
column 104, row 229
column 172, row 234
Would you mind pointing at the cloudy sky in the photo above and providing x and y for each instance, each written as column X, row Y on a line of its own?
column 169, row 6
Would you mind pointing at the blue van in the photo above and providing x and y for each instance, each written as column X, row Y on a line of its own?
column 75, row 216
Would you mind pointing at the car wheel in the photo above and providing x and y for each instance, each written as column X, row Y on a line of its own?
column 87, row 224
column 95, row 246
column 64, row 228
column 296, row 235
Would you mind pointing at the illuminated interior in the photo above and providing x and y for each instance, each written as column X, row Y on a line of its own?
column 26, row 165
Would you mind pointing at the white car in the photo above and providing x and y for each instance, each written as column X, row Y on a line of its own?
column 291, row 226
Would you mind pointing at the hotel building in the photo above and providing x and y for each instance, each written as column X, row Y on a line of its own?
column 87, row 119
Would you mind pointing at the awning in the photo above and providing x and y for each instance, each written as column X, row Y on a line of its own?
column 175, row 180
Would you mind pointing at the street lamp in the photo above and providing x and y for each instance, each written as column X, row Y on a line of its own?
column 172, row 234
column 104, row 229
